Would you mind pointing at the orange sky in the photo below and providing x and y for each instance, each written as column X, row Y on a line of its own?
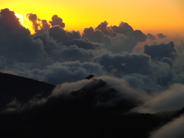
column 154, row 16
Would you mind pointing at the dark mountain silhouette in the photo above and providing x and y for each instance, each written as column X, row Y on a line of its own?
column 78, row 114
column 21, row 88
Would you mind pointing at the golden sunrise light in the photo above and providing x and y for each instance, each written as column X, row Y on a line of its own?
column 165, row 16
column 24, row 21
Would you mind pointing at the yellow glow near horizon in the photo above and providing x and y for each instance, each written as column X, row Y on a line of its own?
column 24, row 21
column 148, row 16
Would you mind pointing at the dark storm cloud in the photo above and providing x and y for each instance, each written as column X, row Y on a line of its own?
column 162, row 50
column 57, row 21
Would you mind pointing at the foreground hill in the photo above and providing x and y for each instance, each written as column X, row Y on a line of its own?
column 22, row 89
column 89, row 108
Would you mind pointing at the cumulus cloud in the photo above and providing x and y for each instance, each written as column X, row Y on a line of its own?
column 151, row 37
column 124, row 63
column 142, row 82
column 122, row 28
column 94, row 35
column 169, row 100
column 57, row 21
column 35, row 21
column 115, row 38
column 102, row 48
column 180, row 47
column 162, row 50
column 16, row 41
column 103, row 27
column 161, row 36
column 60, row 35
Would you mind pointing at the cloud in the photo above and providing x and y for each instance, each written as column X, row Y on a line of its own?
column 160, row 51
column 122, row 28
column 150, row 36
column 13, row 105
column 103, row 91
column 161, row 36
column 124, row 63
column 180, row 47
column 104, row 47
column 35, row 21
column 45, row 25
column 94, row 35
column 57, row 21
column 60, row 35
column 67, row 72
column 142, row 82
column 103, row 27
column 115, row 38
column 169, row 100
column 97, row 92
column 66, row 88
column 173, row 129
column 16, row 41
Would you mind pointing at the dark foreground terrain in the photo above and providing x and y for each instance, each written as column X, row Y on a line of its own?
column 81, row 113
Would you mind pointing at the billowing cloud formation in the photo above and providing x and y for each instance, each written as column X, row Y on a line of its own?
column 60, row 35
column 57, row 21
column 150, row 36
column 34, row 19
column 15, row 40
column 115, row 38
column 54, row 54
column 168, row 100
column 123, row 28
column 124, row 63
column 103, row 91
column 161, row 36
column 161, row 51
column 103, row 27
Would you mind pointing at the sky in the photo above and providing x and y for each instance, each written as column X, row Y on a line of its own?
column 150, row 16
